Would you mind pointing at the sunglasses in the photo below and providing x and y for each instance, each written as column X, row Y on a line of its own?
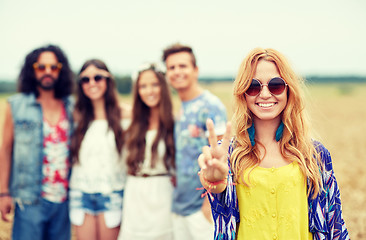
column 97, row 78
column 276, row 86
column 42, row 67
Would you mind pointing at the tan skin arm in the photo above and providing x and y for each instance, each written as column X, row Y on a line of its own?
column 126, row 110
column 213, row 160
column 5, row 163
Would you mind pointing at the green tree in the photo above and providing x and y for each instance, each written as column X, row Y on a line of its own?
column 124, row 84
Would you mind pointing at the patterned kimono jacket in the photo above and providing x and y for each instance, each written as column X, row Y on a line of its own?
column 325, row 210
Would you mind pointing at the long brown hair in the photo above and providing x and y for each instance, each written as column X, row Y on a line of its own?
column 296, row 143
column 84, row 109
column 136, row 133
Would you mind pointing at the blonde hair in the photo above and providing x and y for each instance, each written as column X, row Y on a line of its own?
column 296, row 143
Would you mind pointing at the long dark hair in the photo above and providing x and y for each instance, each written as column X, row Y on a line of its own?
column 136, row 133
column 27, row 82
column 85, row 111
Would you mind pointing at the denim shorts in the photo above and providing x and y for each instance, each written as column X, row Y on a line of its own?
column 96, row 203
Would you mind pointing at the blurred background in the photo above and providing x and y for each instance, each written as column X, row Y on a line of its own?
column 323, row 40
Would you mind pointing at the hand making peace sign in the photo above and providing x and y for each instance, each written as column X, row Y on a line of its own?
column 213, row 160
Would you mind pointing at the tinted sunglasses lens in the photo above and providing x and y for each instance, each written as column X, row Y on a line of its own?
column 41, row 67
column 254, row 88
column 276, row 86
column 97, row 78
column 84, row 80
column 54, row 67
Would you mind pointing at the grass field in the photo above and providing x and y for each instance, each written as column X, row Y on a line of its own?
column 338, row 115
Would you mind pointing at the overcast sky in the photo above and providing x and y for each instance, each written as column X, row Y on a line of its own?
column 318, row 36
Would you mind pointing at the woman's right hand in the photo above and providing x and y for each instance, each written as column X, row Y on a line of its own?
column 213, row 160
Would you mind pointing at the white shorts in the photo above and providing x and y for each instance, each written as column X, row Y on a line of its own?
column 192, row 227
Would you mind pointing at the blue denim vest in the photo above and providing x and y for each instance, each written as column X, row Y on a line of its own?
column 26, row 173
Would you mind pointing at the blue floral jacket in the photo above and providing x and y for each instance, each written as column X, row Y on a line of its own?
column 325, row 211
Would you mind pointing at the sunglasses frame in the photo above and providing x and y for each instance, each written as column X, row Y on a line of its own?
column 97, row 78
column 36, row 66
column 267, row 87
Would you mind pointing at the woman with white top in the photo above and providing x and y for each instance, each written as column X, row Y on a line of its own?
column 98, row 177
column 150, row 160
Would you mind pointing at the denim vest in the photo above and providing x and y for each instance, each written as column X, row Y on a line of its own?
column 27, row 158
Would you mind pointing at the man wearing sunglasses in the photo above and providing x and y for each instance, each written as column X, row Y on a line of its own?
column 192, row 213
column 34, row 155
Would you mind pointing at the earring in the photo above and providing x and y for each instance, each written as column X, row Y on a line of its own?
column 279, row 132
column 251, row 132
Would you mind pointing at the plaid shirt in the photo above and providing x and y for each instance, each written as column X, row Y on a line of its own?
column 325, row 210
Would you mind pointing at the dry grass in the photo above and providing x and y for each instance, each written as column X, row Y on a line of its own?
column 338, row 115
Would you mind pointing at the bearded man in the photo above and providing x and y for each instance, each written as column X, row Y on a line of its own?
column 34, row 155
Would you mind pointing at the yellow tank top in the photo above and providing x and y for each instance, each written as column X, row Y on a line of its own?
column 274, row 206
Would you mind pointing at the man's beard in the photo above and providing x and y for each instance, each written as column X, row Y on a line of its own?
column 49, row 85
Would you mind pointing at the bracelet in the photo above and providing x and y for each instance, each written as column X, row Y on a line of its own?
column 209, row 185
column 6, row 194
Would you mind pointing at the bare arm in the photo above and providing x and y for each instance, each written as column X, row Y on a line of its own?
column 126, row 110
column 213, row 160
column 5, row 163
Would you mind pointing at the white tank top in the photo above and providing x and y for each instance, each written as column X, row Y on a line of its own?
column 100, row 168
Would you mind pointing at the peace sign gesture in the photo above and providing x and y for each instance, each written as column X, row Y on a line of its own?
column 213, row 160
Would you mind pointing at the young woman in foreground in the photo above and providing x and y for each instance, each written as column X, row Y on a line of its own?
column 271, row 177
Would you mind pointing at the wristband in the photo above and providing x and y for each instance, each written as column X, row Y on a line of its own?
column 6, row 194
column 210, row 185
